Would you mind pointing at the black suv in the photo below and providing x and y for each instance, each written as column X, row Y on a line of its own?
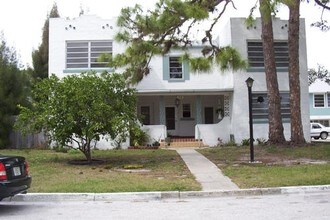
column 14, row 176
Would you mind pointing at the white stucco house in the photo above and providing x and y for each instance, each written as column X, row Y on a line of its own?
column 175, row 101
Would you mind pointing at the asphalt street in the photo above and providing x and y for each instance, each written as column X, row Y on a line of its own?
column 284, row 206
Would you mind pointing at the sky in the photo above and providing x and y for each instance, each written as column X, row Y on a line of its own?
column 21, row 22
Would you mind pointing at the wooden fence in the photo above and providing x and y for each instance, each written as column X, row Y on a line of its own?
column 18, row 140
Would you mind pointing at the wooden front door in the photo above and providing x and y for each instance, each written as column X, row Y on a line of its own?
column 170, row 118
column 208, row 115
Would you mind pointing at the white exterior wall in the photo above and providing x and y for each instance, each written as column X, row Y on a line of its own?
column 104, row 143
column 214, row 134
column 234, row 33
column 87, row 27
column 240, row 118
column 213, row 80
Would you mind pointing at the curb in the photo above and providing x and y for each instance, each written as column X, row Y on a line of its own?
column 147, row 196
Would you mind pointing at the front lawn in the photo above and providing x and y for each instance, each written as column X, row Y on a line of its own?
column 281, row 166
column 159, row 170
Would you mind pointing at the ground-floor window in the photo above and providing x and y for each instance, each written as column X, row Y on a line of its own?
column 186, row 111
column 323, row 122
column 145, row 115
column 260, row 107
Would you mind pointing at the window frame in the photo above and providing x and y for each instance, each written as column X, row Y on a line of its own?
column 145, row 117
column 178, row 62
column 258, row 64
column 91, row 50
column 260, row 110
column 314, row 101
column 188, row 111
column 166, row 69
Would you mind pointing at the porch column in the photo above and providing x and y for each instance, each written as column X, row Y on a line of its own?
column 162, row 110
column 198, row 110
column 226, row 106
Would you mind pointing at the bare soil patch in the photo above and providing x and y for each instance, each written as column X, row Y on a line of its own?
column 132, row 170
column 273, row 159
column 86, row 162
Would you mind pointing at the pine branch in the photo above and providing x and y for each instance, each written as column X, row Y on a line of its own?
column 322, row 4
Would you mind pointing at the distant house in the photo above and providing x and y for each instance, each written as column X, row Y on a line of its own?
column 319, row 102
column 174, row 101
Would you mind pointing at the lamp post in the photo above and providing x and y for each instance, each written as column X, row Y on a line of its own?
column 249, row 84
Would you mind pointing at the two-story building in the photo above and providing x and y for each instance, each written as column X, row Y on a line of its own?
column 319, row 100
column 175, row 101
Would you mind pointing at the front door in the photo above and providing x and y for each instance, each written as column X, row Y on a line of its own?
column 170, row 118
column 208, row 115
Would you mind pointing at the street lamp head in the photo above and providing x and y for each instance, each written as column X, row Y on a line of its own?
column 249, row 82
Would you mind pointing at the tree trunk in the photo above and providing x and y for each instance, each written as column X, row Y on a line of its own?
column 297, row 135
column 86, row 150
column 276, row 135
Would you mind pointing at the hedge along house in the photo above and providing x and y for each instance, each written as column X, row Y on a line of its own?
column 172, row 100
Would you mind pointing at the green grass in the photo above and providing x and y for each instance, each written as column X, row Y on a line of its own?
column 52, row 173
column 281, row 166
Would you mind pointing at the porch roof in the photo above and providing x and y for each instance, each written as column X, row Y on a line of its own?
column 184, row 91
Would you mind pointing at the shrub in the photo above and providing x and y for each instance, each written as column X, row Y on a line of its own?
column 230, row 143
column 261, row 141
column 138, row 137
column 60, row 149
column 245, row 142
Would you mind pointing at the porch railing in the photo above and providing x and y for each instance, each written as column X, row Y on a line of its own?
column 213, row 134
column 155, row 132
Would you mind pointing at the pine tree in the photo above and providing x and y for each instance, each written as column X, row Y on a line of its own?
column 40, row 56
column 14, row 90
column 171, row 25
column 276, row 130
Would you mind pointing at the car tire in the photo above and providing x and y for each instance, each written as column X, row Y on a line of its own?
column 324, row 135
column 316, row 138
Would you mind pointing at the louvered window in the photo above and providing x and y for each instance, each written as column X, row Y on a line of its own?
column 85, row 54
column 175, row 68
column 319, row 100
column 260, row 107
column 256, row 55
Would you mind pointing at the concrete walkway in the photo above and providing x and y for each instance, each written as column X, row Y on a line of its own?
column 206, row 172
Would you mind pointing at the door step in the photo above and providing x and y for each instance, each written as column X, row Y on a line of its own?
column 178, row 142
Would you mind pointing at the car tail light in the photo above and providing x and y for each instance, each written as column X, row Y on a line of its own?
column 26, row 170
column 3, row 173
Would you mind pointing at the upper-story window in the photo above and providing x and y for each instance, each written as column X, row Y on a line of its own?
column 256, row 55
column 319, row 100
column 85, row 54
column 175, row 67
column 328, row 99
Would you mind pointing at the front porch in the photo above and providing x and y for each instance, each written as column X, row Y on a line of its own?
column 181, row 116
